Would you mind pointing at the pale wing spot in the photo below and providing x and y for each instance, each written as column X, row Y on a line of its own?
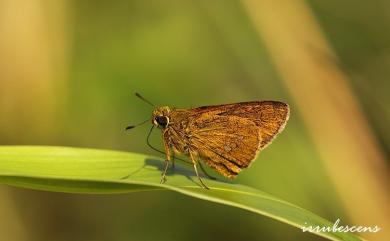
column 227, row 148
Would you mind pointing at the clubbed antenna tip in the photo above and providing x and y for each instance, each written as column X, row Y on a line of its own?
column 129, row 127
column 142, row 98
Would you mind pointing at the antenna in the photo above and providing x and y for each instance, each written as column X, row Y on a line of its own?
column 142, row 98
column 131, row 127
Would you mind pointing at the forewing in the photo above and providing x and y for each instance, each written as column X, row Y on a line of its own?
column 270, row 116
column 225, row 143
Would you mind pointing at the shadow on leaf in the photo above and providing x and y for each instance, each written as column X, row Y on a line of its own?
column 178, row 169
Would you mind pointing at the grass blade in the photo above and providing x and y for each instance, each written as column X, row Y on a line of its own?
column 80, row 170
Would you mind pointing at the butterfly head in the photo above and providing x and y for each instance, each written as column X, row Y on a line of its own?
column 160, row 117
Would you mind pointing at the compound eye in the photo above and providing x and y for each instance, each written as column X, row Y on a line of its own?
column 162, row 120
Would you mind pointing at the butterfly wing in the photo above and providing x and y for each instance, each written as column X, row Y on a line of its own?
column 225, row 143
column 270, row 116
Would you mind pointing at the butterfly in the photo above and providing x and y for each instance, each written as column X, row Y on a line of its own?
column 227, row 138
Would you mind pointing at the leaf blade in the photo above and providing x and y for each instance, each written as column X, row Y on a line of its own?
column 81, row 170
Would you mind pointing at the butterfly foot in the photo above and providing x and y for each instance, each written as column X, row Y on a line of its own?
column 163, row 180
column 203, row 185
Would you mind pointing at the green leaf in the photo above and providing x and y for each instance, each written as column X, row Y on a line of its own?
column 79, row 170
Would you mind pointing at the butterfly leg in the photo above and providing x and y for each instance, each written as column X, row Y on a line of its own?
column 163, row 174
column 194, row 163
column 167, row 160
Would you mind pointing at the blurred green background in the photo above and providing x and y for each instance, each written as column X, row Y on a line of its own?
column 68, row 71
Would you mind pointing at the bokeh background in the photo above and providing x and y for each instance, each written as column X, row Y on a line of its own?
column 68, row 71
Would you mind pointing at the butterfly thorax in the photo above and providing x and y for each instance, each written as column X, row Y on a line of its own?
column 174, row 125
